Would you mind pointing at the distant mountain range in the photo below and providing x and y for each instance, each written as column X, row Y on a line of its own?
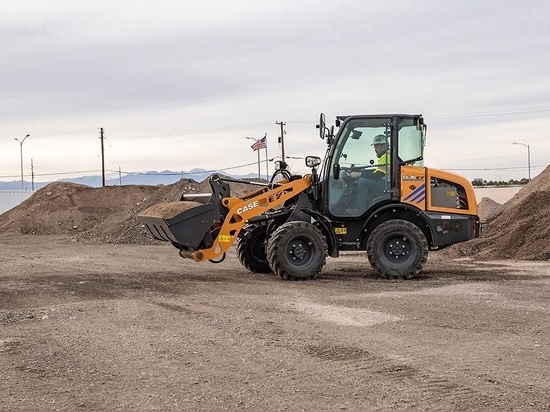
column 151, row 178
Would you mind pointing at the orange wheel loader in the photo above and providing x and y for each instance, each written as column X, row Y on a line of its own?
column 290, row 225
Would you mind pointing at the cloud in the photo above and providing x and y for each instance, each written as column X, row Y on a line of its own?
column 178, row 84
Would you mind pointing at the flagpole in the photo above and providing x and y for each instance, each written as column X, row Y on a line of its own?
column 259, row 176
column 256, row 150
column 266, row 165
column 266, row 161
column 258, row 144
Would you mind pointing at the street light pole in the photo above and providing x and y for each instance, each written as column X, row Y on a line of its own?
column 21, row 152
column 528, row 157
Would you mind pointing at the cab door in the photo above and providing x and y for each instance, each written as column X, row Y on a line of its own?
column 352, row 154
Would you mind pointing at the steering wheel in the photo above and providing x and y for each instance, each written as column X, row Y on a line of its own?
column 342, row 188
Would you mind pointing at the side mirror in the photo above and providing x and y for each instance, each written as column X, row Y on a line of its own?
column 322, row 126
column 313, row 161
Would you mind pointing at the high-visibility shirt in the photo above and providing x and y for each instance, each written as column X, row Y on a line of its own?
column 383, row 164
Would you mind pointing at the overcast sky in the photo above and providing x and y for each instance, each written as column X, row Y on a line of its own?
column 178, row 85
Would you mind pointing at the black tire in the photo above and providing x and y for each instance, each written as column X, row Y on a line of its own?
column 251, row 248
column 297, row 251
column 397, row 249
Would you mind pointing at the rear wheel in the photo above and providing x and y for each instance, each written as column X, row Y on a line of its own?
column 297, row 251
column 397, row 249
column 251, row 248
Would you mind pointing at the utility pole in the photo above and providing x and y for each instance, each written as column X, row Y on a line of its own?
column 102, row 159
column 282, row 139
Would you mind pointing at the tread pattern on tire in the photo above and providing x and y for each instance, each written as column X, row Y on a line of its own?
column 393, row 230
column 280, row 245
column 250, row 255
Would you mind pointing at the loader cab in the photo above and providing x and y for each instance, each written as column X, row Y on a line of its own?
column 362, row 145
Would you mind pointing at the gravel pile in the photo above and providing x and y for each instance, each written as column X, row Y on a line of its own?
column 518, row 229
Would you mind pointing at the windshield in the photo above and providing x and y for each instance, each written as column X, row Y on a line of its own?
column 355, row 145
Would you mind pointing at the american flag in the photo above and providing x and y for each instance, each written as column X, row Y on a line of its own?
column 260, row 144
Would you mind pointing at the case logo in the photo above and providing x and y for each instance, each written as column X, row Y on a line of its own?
column 412, row 177
column 248, row 207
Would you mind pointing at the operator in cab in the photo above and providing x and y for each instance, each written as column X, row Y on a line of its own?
column 371, row 183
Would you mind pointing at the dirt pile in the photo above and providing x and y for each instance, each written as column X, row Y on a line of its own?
column 488, row 208
column 518, row 229
column 98, row 214
column 106, row 214
column 169, row 210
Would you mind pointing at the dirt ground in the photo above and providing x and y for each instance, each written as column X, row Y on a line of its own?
column 98, row 326
column 97, row 315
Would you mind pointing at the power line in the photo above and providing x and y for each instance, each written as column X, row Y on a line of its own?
column 238, row 167
column 489, row 114
column 54, row 174
column 168, row 132
column 132, row 173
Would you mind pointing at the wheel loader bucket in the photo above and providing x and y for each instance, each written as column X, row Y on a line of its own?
column 184, row 223
column 188, row 223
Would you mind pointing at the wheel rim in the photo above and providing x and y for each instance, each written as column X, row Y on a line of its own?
column 300, row 251
column 258, row 246
column 398, row 249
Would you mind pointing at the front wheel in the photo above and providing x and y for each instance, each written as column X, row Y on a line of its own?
column 297, row 251
column 397, row 249
column 251, row 248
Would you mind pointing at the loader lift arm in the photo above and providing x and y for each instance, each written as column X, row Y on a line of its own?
column 245, row 208
column 221, row 218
